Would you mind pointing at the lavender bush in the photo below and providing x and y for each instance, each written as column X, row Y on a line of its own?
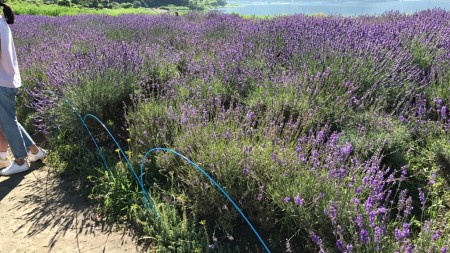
column 330, row 132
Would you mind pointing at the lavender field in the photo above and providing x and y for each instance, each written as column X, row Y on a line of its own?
column 331, row 133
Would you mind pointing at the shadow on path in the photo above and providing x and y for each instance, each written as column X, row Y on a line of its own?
column 6, row 186
column 48, row 203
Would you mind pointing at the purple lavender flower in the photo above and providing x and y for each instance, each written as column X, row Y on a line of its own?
column 438, row 102
column 378, row 234
column 260, row 196
column 444, row 112
column 316, row 239
column 246, row 169
column 431, row 181
column 364, row 237
column 320, row 136
column 421, row 197
column 184, row 119
column 250, row 115
column 346, row 150
column 248, row 149
column 409, row 248
column 401, row 234
column 287, row 199
column 357, row 203
column 405, row 229
column 403, row 119
column 398, row 235
column 404, row 173
column 426, row 226
column 368, row 204
column 340, row 245
column 227, row 135
column 372, row 217
column 298, row 200
column 350, row 248
column 359, row 220
column 260, row 193
column 436, row 235
column 342, row 172
column 303, row 158
column 408, row 206
column 402, row 200
column 274, row 157
column 332, row 211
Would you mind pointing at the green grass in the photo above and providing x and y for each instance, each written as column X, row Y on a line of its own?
column 21, row 8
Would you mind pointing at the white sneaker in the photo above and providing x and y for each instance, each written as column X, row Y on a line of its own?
column 14, row 168
column 4, row 162
column 35, row 157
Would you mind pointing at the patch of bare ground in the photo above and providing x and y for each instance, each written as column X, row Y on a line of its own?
column 40, row 212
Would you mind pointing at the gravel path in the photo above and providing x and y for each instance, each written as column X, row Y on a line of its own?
column 40, row 213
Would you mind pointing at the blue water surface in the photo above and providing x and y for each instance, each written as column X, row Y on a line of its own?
column 331, row 7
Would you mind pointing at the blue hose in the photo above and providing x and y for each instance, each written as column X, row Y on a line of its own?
column 130, row 167
column 212, row 181
column 146, row 197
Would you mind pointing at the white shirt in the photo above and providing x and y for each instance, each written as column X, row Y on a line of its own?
column 9, row 67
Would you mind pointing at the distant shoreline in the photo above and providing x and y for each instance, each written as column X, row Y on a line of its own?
column 333, row 8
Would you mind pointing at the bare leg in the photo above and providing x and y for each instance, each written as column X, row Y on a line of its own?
column 3, row 142
column 34, row 149
column 4, row 147
column 4, row 161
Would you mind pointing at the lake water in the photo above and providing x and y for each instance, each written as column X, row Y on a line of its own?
column 342, row 8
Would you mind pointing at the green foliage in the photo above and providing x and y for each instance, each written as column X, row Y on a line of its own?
column 178, row 233
column 64, row 2
column 98, row 96
column 422, row 54
column 76, row 7
column 136, row 4
column 372, row 132
column 115, row 5
column 126, row 5
column 170, row 230
column 146, row 133
column 81, row 7
column 430, row 165
column 117, row 192
column 251, row 137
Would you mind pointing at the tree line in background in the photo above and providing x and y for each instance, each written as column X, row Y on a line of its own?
column 117, row 4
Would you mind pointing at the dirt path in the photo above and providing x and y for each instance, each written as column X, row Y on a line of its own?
column 39, row 213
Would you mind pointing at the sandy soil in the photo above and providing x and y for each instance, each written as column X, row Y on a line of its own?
column 40, row 213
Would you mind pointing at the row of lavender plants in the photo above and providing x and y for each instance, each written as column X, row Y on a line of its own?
column 331, row 133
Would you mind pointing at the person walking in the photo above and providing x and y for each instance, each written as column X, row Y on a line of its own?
column 13, row 134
